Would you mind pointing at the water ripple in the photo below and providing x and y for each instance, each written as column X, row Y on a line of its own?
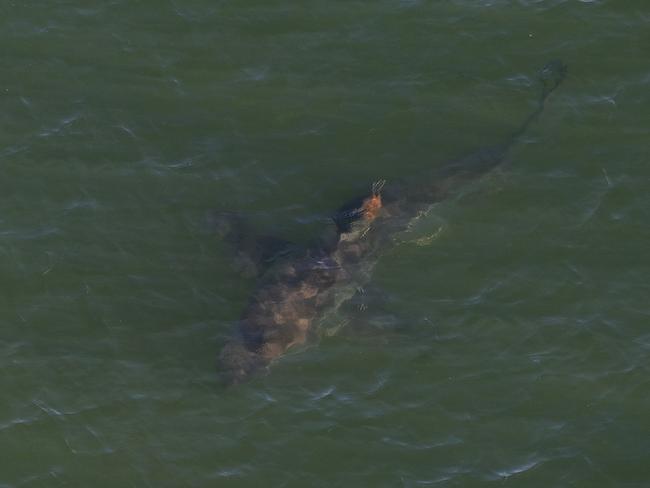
column 517, row 469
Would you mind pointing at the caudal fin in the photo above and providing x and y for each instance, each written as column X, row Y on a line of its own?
column 550, row 77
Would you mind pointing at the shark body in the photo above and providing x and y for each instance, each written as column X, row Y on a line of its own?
column 294, row 293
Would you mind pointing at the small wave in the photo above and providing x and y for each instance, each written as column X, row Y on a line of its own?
column 518, row 468
column 81, row 204
column 434, row 481
column 18, row 421
column 452, row 440
column 323, row 393
column 229, row 473
column 11, row 150
column 259, row 73
column 60, row 126
column 80, row 444
column 29, row 234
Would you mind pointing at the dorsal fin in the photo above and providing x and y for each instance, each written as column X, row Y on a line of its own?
column 366, row 207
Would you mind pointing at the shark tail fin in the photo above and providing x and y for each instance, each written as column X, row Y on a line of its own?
column 550, row 76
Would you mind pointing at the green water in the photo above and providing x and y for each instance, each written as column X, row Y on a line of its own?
column 510, row 342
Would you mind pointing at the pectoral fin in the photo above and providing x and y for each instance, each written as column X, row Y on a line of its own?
column 254, row 253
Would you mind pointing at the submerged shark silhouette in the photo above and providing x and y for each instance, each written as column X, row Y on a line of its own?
column 301, row 284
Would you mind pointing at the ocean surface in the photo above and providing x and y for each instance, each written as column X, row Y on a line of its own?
column 506, row 339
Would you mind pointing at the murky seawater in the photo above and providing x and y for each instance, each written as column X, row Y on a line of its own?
column 506, row 340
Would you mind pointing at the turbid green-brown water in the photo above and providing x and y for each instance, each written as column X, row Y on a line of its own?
column 506, row 341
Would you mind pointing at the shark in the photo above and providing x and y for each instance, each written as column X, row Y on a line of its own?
column 297, row 286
